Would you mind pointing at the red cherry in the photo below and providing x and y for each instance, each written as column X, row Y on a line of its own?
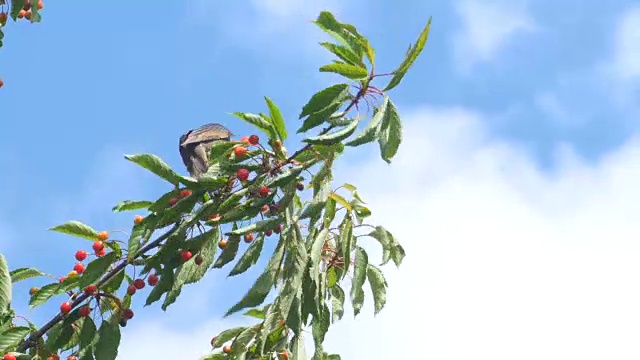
column 62, row 279
column 300, row 186
column 248, row 238
column 90, row 290
column 185, row 255
column 81, row 255
column 265, row 208
column 71, row 357
column 226, row 349
column 173, row 201
column 9, row 357
column 153, row 279
column 254, row 139
column 102, row 252
column 97, row 246
column 215, row 217
column 84, row 311
column 240, row 152
column 103, row 236
column 65, row 307
column 245, row 139
column 131, row 289
column 127, row 314
column 268, row 232
column 186, row 192
column 242, row 174
column 79, row 268
column 263, row 191
column 222, row 244
column 138, row 283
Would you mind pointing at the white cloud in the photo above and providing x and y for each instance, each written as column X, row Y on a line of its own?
column 504, row 260
column 627, row 45
column 487, row 27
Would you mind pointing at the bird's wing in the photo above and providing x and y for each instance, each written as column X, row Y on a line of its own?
column 205, row 133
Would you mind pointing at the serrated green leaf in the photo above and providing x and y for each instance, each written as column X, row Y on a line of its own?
column 250, row 257
column 343, row 53
column 219, row 148
column 337, row 302
column 277, row 119
column 255, row 313
column 96, row 269
column 156, row 165
column 329, row 212
column 87, row 333
column 228, row 253
column 106, row 347
column 349, row 71
column 239, row 345
column 127, row 205
column 334, row 137
column 164, row 284
column 257, row 226
column 371, row 132
column 345, row 34
column 5, row 285
column 390, row 135
column 298, row 349
column 319, row 329
column 346, row 241
column 341, row 200
column 227, row 335
column 359, row 277
column 412, row 55
column 76, row 228
column 16, row 6
column 391, row 248
column 315, row 255
column 324, row 98
column 113, row 284
column 259, row 122
column 378, row 286
column 45, row 293
column 294, row 271
column 9, row 339
column 317, row 118
column 285, row 177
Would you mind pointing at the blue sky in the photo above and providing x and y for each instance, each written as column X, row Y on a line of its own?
column 526, row 111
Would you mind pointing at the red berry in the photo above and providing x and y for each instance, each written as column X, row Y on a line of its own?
column 268, row 232
column 40, row 5
column 254, row 139
column 222, row 244
column 185, row 255
column 71, row 357
column 90, row 290
column 215, row 217
column 138, row 283
column 300, row 186
column 284, row 355
column 278, row 229
column 21, row 14
column 226, row 349
column 131, row 290
column 186, row 192
column 33, row 291
column 102, row 252
column 153, row 279
column 242, row 174
column 65, row 307
column 84, row 311
column 81, row 255
column 127, row 314
column 213, row 341
column 199, row 259
column 173, row 201
column 240, row 151
column 9, row 357
column 245, row 139
column 97, row 246
column 248, row 238
column 263, row 191
column 103, row 236
column 265, row 208
column 79, row 268
column 62, row 279
column 137, row 219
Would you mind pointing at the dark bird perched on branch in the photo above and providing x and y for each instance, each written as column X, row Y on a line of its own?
column 195, row 146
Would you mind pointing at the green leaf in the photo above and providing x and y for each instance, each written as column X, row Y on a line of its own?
column 45, row 293
column 156, row 165
column 131, row 205
column 219, row 148
column 259, row 122
column 96, row 269
column 412, row 55
column 329, row 212
column 341, row 200
column 294, row 270
column 346, row 241
column 319, row 329
column 349, row 71
column 228, row 253
column 316, row 252
column 285, row 177
column 87, row 332
column 277, row 119
column 319, row 117
column 390, row 135
column 343, row 53
column 250, row 257
column 164, row 285
column 112, row 285
column 35, row 13
column 239, row 345
column 337, row 302
column 372, row 130
column 227, row 335
column 255, row 313
column 298, row 349
column 12, row 337
column 16, row 6
column 345, row 34
column 391, row 248
column 257, row 226
column 108, row 340
column 137, row 234
column 76, row 228
column 23, row 274
column 324, row 98
column 378, row 287
column 334, row 137
column 359, row 276
column 262, row 286
column 5, row 285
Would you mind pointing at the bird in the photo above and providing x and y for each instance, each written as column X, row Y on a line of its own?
column 196, row 143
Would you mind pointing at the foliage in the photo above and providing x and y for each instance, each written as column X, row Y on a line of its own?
column 317, row 229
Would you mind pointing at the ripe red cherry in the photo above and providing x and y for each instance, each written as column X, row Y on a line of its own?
column 65, row 308
column 245, row 139
column 242, row 174
column 222, row 244
column 127, row 314
column 79, row 268
column 138, row 283
column 173, row 201
column 248, row 238
column 103, row 236
column 131, row 290
column 186, row 192
column 254, row 139
column 265, row 208
column 62, row 279
column 240, row 151
column 263, row 191
column 97, row 246
column 90, row 290
column 71, row 357
column 215, row 217
column 101, row 253
column 9, row 357
column 84, row 311
column 153, row 279
column 81, row 255
column 226, row 349
column 268, row 232
column 185, row 255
